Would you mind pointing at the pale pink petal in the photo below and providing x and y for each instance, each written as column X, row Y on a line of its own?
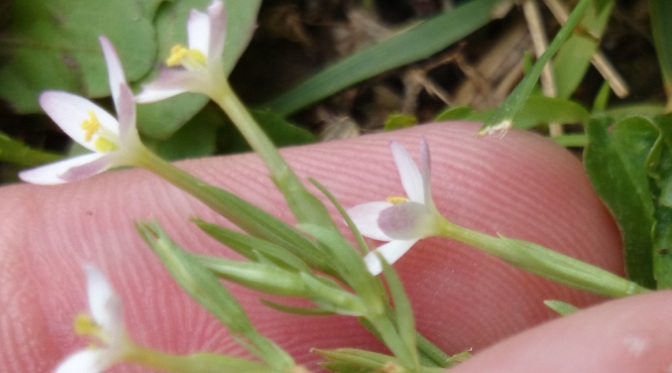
column 170, row 82
column 198, row 32
column 125, row 111
column 80, row 172
column 85, row 361
column 406, row 221
column 426, row 170
column 217, row 16
column 53, row 173
column 391, row 251
column 70, row 111
column 411, row 178
column 365, row 217
column 104, row 304
column 115, row 71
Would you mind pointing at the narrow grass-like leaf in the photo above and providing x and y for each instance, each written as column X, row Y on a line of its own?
column 248, row 246
column 420, row 42
column 615, row 159
column 205, row 288
column 573, row 58
column 660, row 12
column 296, row 310
column 15, row 152
column 403, row 311
column 504, row 116
column 363, row 247
column 562, row 308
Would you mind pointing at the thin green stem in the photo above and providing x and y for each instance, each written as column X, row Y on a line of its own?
column 545, row 262
column 305, row 206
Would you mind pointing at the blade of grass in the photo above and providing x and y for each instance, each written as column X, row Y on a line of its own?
column 661, row 13
column 417, row 43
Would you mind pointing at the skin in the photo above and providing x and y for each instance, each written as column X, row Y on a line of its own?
column 521, row 186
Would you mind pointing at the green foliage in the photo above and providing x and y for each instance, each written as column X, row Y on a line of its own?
column 630, row 164
column 54, row 45
column 417, row 43
column 13, row 151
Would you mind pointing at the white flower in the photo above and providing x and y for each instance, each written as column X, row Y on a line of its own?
column 201, row 66
column 400, row 220
column 112, row 141
column 105, row 323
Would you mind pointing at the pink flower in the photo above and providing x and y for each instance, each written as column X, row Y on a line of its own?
column 200, row 67
column 402, row 221
column 114, row 141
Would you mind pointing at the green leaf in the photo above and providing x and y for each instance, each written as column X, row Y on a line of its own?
column 419, row 42
column 280, row 131
column 503, row 117
column 573, row 58
column 616, row 160
column 398, row 121
column 659, row 165
column 296, row 310
column 14, row 151
column 249, row 246
column 562, row 308
column 54, row 45
column 205, row 288
column 160, row 120
column 197, row 138
column 661, row 13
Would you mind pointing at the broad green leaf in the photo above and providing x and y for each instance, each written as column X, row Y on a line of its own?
column 419, row 42
column 160, row 120
column 54, row 45
column 573, row 58
column 659, row 165
column 616, row 160
column 197, row 138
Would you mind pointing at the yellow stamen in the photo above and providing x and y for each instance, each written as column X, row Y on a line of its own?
column 189, row 58
column 104, row 145
column 397, row 200
column 90, row 126
column 84, row 325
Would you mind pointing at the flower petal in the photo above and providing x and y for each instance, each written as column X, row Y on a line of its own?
column 391, row 251
column 53, row 173
column 115, row 72
column 104, row 304
column 365, row 217
column 70, row 111
column 85, row 361
column 426, row 170
column 198, row 32
column 411, row 178
column 94, row 167
column 217, row 16
column 406, row 221
column 125, row 112
column 170, row 82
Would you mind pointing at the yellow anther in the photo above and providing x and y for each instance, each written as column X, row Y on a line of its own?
column 396, row 200
column 84, row 325
column 189, row 58
column 104, row 145
column 90, row 126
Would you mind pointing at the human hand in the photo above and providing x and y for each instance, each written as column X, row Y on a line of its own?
column 520, row 186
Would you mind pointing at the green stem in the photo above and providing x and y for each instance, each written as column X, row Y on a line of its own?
column 195, row 363
column 545, row 262
column 305, row 206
